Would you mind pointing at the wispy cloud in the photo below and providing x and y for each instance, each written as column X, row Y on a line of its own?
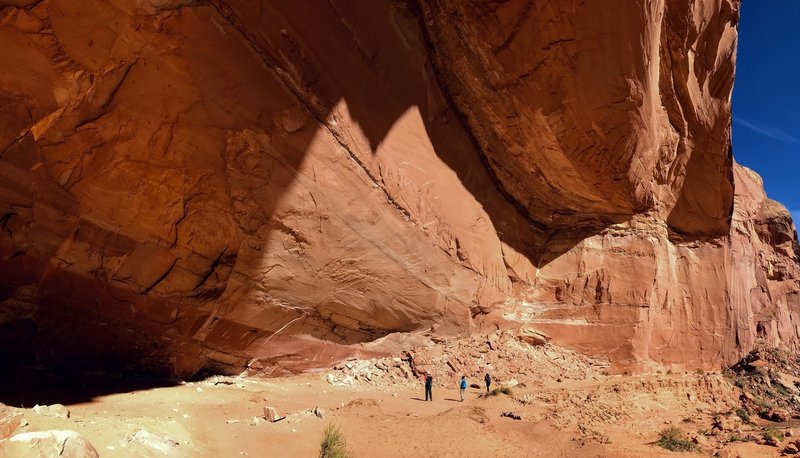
column 767, row 131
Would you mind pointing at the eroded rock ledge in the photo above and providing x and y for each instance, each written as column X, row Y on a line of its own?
column 206, row 185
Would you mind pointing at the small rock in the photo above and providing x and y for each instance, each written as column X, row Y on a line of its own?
column 255, row 421
column 331, row 378
column 199, row 390
column 511, row 415
column 753, row 365
column 791, row 449
column 271, row 414
column 230, row 422
column 700, row 440
column 319, row 412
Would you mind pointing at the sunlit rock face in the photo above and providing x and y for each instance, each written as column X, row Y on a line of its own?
column 190, row 186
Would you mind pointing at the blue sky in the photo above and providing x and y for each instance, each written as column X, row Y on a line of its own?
column 766, row 97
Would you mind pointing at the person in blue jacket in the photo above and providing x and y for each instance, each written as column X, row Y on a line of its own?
column 463, row 386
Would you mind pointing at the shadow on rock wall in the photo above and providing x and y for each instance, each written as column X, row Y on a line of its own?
column 154, row 156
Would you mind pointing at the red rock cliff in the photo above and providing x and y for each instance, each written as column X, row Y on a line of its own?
column 189, row 185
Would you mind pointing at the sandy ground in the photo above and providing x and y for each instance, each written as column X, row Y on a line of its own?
column 613, row 417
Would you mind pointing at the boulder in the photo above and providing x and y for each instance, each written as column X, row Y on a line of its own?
column 55, row 410
column 10, row 420
column 532, row 336
column 154, row 442
column 776, row 415
column 772, row 441
column 46, row 444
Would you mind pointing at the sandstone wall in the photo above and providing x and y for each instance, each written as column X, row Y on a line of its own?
column 205, row 185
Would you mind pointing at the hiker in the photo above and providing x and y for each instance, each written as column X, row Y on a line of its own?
column 488, row 380
column 410, row 359
column 463, row 386
column 428, row 386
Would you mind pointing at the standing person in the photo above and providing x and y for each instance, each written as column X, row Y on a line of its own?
column 428, row 386
column 462, row 385
column 488, row 380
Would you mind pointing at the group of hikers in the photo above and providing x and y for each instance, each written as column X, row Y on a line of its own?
column 462, row 384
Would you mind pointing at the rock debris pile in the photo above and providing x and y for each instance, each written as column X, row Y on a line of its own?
column 506, row 355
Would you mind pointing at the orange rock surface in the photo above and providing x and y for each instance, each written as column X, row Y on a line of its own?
column 189, row 186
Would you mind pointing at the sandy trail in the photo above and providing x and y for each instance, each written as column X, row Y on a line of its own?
column 214, row 420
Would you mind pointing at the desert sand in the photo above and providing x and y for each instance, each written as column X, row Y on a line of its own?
column 566, row 408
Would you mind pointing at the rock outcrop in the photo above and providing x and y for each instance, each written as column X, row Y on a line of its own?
column 190, row 186
column 56, row 443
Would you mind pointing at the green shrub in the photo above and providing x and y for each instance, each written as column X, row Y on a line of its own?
column 333, row 444
column 772, row 433
column 782, row 390
column 673, row 440
column 763, row 404
column 741, row 413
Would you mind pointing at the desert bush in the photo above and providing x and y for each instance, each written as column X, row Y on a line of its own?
column 673, row 440
column 741, row 413
column 762, row 403
column 772, row 433
column 333, row 444
column 504, row 390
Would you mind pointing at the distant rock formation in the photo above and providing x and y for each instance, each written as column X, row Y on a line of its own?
column 190, row 186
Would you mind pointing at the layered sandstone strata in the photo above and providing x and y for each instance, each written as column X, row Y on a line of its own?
column 189, row 185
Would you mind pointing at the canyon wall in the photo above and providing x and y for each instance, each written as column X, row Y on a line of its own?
column 190, row 186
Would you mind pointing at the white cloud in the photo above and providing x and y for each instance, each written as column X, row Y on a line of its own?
column 767, row 131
